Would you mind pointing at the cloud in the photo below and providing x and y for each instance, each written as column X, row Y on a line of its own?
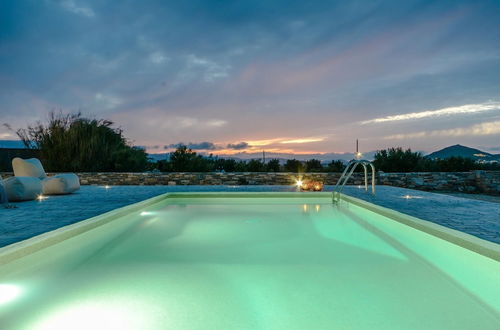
column 153, row 147
column 72, row 6
column 106, row 101
column 306, row 140
column 482, row 129
column 450, row 111
column 6, row 135
column 237, row 146
column 258, row 143
column 211, row 70
column 186, row 122
column 158, row 58
column 270, row 73
column 216, row 123
column 194, row 145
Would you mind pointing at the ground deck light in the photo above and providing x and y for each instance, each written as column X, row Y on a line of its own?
column 411, row 197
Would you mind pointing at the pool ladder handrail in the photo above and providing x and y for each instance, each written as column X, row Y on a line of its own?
column 346, row 175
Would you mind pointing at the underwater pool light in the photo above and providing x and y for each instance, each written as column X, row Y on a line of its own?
column 8, row 292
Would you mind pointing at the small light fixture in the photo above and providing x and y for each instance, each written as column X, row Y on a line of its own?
column 299, row 183
column 107, row 187
column 41, row 197
column 359, row 155
column 411, row 197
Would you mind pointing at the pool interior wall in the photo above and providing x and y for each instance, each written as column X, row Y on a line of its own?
column 247, row 261
column 479, row 218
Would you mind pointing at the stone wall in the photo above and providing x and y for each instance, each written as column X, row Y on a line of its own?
column 486, row 182
column 234, row 178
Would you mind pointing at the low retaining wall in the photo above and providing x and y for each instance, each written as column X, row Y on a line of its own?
column 486, row 182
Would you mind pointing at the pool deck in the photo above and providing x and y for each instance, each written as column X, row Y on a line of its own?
column 476, row 217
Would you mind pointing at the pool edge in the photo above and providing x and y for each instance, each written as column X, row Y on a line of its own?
column 467, row 241
column 30, row 245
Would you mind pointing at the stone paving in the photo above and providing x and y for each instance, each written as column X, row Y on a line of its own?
column 476, row 217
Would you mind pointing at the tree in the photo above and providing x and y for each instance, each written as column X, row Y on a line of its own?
column 70, row 142
column 398, row 160
column 273, row 165
column 335, row 166
column 255, row 165
column 313, row 165
column 456, row 164
column 241, row 166
column 294, row 165
column 186, row 160
column 227, row 165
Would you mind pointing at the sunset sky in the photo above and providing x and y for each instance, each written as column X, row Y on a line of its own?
column 243, row 76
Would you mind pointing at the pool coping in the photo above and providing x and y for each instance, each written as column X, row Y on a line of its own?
column 20, row 249
column 467, row 241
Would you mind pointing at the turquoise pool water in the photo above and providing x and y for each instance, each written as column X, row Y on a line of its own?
column 251, row 263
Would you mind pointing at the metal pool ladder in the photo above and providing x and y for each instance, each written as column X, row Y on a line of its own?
column 346, row 175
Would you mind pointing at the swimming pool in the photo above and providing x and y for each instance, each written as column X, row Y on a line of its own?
column 251, row 261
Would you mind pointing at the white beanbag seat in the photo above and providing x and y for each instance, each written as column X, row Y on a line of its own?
column 3, row 193
column 22, row 188
column 61, row 184
column 28, row 167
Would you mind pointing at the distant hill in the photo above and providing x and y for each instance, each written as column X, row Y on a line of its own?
column 283, row 157
column 12, row 144
column 463, row 151
column 157, row 157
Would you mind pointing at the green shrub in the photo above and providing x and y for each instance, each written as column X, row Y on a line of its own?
column 398, row 160
column 313, row 165
column 72, row 143
column 255, row 165
column 273, row 165
column 294, row 165
column 335, row 166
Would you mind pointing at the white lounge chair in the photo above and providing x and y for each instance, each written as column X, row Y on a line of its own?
column 20, row 189
column 59, row 184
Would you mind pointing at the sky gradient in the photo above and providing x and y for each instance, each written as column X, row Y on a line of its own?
column 243, row 76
